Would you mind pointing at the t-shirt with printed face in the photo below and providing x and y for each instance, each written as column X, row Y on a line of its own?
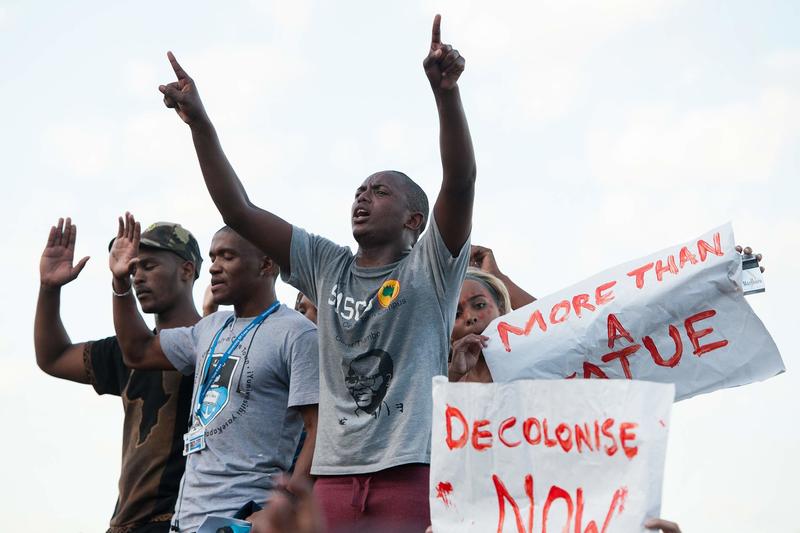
column 251, row 432
column 384, row 333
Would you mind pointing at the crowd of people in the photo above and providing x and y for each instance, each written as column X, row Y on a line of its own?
column 305, row 419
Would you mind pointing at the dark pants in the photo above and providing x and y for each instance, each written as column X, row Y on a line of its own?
column 395, row 499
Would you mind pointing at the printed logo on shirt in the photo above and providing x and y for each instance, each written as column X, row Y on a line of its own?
column 346, row 307
column 351, row 310
column 367, row 378
column 219, row 394
column 388, row 292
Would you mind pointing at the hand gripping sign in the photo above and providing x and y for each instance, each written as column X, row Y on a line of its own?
column 677, row 316
column 547, row 455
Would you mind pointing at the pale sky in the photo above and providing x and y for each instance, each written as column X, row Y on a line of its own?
column 604, row 131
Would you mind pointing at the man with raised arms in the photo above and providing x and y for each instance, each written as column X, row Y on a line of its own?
column 384, row 313
column 156, row 403
column 256, row 377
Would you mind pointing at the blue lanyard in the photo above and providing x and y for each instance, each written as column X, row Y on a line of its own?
column 217, row 370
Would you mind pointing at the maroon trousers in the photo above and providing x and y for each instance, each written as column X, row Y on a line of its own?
column 394, row 500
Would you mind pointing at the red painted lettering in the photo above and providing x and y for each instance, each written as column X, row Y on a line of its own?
column 685, row 256
column 564, row 304
column 582, row 435
column 556, row 493
column 695, row 336
column 676, row 356
column 504, row 328
column 547, row 440
column 504, row 425
column 618, row 500
column 526, row 430
column 610, row 450
column 564, row 436
column 590, row 370
column 449, row 414
column 622, row 355
column 626, row 434
column 596, row 435
column 616, row 331
column 638, row 273
column 478, row 433
column 581, row 301
column 661, row 269
column 704, row 248
column 600, row 295
column 503, row 495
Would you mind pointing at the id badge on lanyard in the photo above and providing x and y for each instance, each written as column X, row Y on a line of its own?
column 194, row 440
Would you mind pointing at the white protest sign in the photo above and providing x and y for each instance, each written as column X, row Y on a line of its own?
column 677, row 316
column 548, row 455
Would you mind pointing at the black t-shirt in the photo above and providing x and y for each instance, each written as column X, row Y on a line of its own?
column 156, row 405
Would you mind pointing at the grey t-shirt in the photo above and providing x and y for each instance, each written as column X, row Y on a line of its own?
column 384, row 333
column 251, row 432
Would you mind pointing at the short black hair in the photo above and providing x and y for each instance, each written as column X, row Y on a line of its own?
column 253, row 250
column 416, row 199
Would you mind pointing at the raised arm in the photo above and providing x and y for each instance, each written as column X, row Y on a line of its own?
column 453, row 208
column 483, row 258
column 141, row 349
column 55, row 353
column 270, row 233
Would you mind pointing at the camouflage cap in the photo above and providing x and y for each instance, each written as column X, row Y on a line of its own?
column 174, row 238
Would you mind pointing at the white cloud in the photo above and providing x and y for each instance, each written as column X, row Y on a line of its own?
column 537, row 51
column 786, row 60
column 291, row 19
column 659, row 146
column 140, row 78
column 85, row 149
column 243, row 78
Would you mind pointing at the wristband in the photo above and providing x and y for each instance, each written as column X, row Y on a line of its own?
column 121, row 294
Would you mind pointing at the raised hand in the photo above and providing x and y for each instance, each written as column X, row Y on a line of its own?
column 465, row 352
column 482, row 258
column 444, row 64
column 55, row 266
column 125, row 251
column 182, row 95
column 749, row 251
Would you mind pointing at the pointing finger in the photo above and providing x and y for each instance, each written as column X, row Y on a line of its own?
column 179, row 72
column 436, row 33
column 120, row 228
